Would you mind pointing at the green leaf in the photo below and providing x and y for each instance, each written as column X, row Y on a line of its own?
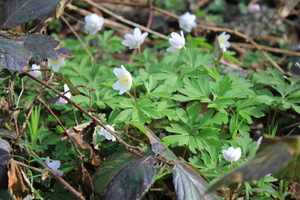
column 176, row 128
column 151, row 84
column 270, row 160
column 127, row 103
column 253, row 111
column 190, row 185
column 193, row 110
column 16, row 12
column 194, row 88
column 133, row 181
column 151, row 112
column 109, row 168
column 138, row 124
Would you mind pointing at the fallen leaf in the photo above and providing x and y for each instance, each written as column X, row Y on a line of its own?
column 83, row 136
column 18, row 184
column 6, row 112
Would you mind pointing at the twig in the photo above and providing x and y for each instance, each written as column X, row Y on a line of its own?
column 62, row 126
column 107, row 22
column 270, row 49
column 125, row 20
column 248, row 39
column 150, row 18
column 65, row 184
column 81, row 109
column 78, row 37
column 198, row 5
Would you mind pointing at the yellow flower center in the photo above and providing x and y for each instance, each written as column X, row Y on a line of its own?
column 124, row 80
column 221, row 40
column 55, row 62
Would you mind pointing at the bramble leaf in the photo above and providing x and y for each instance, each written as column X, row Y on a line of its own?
column 13, row 55
column 16, row 12
column 110, row 167
column 17, row 50
column 45, row 46
column 132, row 181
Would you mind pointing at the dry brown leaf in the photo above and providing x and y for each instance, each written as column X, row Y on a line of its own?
column 19, row 186
column 6, row 112
column 83, row 136
column 81, row 176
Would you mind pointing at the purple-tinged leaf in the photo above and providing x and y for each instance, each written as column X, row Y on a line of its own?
column 17, row 50
column 110, row 167
column 159, row 148
column 16, row 12
column 190, row 185
column 132, row 181
column 291, row 171
column 13, row 55
column 44, row 46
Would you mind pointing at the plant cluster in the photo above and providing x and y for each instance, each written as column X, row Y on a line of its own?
column 104, row 128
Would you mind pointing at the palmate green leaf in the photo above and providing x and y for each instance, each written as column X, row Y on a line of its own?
column 270, row 160
column 190, row 185
column 133, row 181
column 196, row 60
column 194, row 88
column 253, row 111
column 138, row 125
column 176, row 128
column 110, row 167
column 193, row 111
column 16, row 12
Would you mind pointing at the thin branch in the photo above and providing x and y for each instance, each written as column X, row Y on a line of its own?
column 125, row 20
column 62, row 126
column 81, row 109
column 80, row 40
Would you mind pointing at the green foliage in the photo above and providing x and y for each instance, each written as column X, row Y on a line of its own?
column 183, row 96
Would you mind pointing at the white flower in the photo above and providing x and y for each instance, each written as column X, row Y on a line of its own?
column 62, row 100
column 232, row 154
column 125, row 80
column 176, row 41
column 223, row 41
column 254, row 8
column 93, row 23
column 187, row 21
column 54, row 165
column 107, row 134
column 135, row 40
column 56, row 64
column 35, row 73
column 259, row 141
